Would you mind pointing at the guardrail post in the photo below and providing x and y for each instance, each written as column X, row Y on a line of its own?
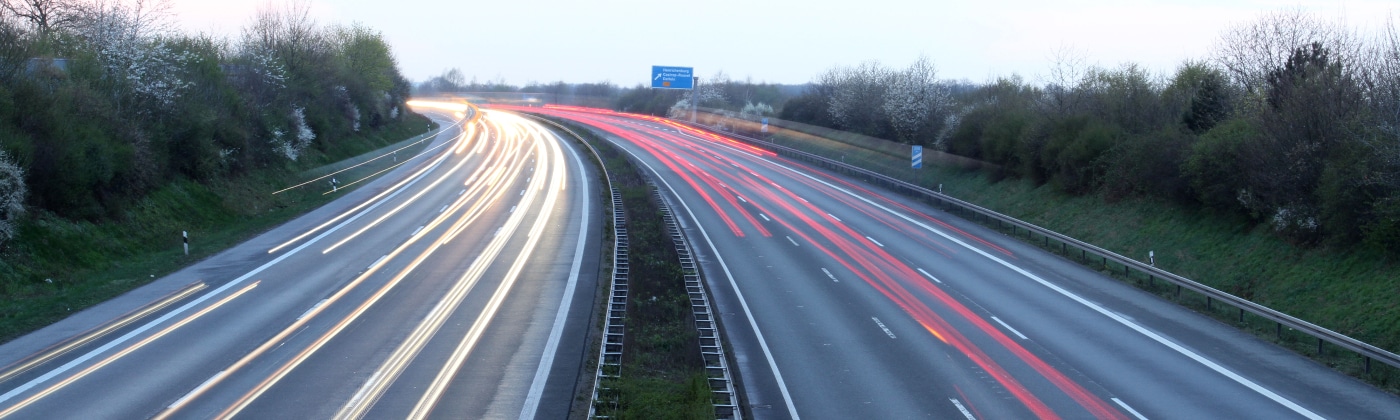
column 1208, row 303
column 1319, row 347
column 1368, row 364
column 976, row 214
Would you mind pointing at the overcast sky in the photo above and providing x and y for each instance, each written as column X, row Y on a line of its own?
column 782, row 41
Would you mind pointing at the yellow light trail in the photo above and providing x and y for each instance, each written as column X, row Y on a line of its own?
column 385, row 375
column 60, row 350
column 438, row 386
column 335, row 330
column 403, row 205
column 138, row 345
column 392, row 190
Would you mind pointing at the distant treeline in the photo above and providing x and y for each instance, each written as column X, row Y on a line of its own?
column 102, row 101
column 1293, row 122
column 717, row 91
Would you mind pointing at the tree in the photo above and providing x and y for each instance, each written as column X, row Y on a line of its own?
column 1250, row 51
column 12, row 194
column 1209, row 102
column 1312, row 110
column 46, row 16
column 915, row 102
column 130, row 42
column 857, row 96
column 808, row 108
column 14, row 50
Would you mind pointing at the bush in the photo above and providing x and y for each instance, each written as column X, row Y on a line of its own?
column 12, row 192
column 1071, row 154
column 1214, row 168
column 1148, row 165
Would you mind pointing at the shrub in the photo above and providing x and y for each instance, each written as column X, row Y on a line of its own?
column 1071, row 154
column 12, row 193
column 1147, row 165
column 1214, row 167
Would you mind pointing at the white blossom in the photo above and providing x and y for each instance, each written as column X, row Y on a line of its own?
column 912, row 97
column 287, row 147
column 761, row 110
column 12, row 192
column 128, row 39
column 304, row 134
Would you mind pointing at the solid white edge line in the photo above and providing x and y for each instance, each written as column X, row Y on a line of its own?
column 1130, row 409
column 536, row 393
column 198, row 301
column 1008, row 327
column 930, row 276
column 1125, row 322
column 960, row 407
column 748, row 313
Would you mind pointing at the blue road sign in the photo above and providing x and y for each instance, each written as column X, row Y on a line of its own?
column 667, row 77
column 918, row 158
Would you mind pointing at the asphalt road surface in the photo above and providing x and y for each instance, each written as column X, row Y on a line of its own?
column 457, row 286
column 844, row 302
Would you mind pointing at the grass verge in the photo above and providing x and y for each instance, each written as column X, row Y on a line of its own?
column 57, row 266
column 1346, row 290
column 662, row 376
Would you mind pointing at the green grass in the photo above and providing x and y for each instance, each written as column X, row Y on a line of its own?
column 1351, row 291
column 57, row 266
column 663, row 376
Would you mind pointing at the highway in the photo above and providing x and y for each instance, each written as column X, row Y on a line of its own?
column 842, row 301
column 459, row 285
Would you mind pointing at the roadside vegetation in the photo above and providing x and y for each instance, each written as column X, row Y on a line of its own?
column 1292, row 123
column 1270, row 170
column 117, row 133
column 663, row 376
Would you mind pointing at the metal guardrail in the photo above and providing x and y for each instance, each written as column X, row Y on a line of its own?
column 610, row 352
column 1280, row 319
column 717, row 373
column 610, row 347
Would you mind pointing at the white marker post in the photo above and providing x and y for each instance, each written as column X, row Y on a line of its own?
column 1152, row 258
column 186, row 236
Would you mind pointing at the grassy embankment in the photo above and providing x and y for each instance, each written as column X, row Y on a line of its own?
column 663, row 376
column 57, row 266
column 1350, row 291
